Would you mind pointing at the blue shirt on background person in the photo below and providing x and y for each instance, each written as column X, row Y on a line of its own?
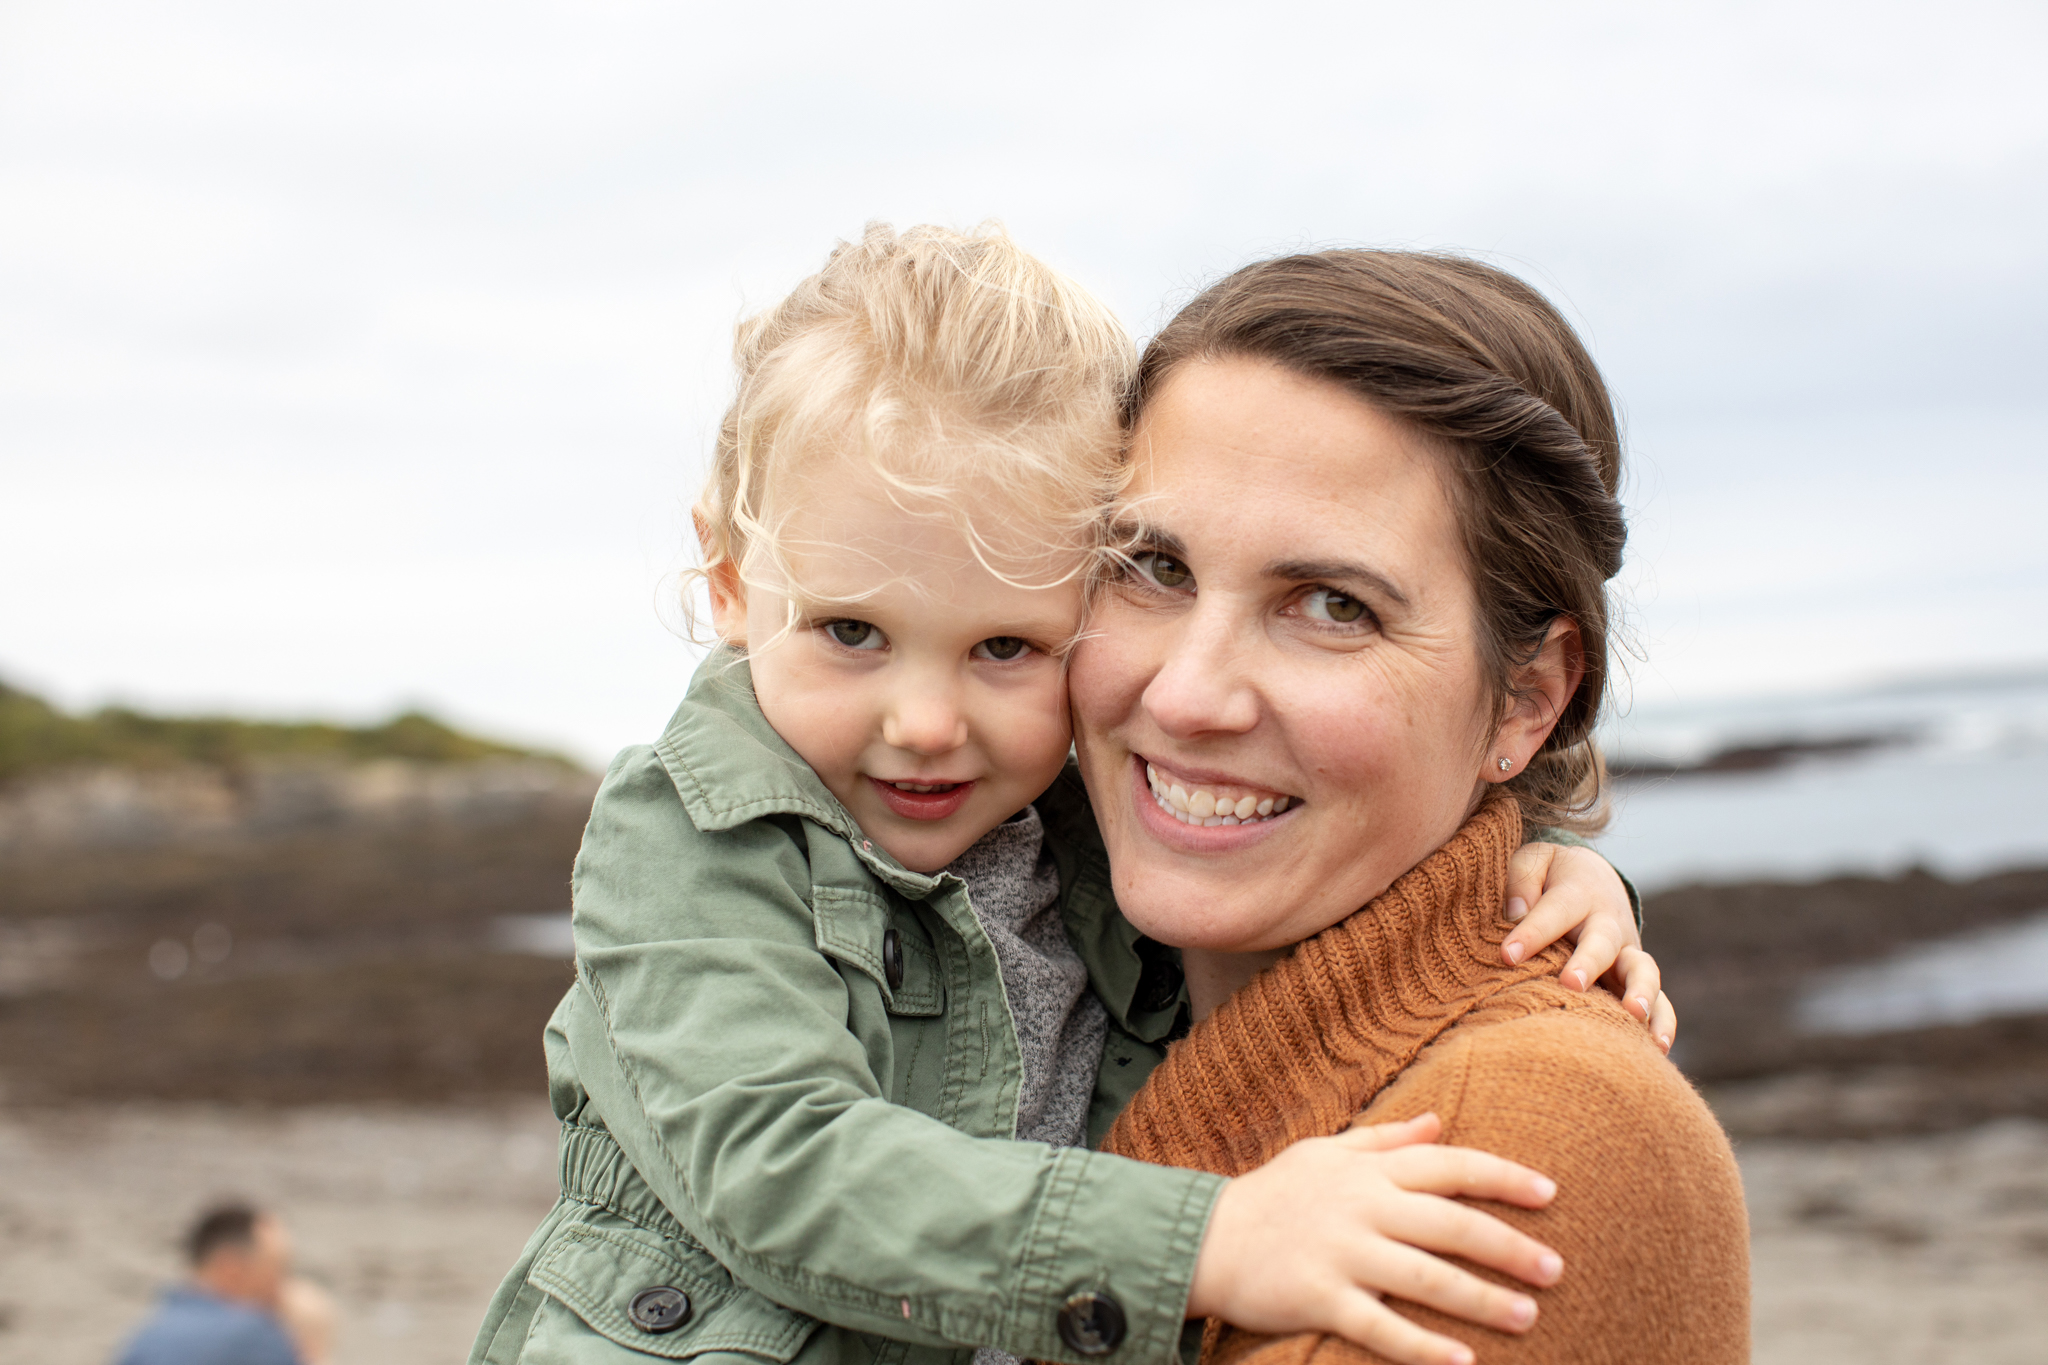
column 193, row 1327
column 227, row 1313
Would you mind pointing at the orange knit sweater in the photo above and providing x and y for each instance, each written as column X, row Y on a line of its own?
column 1405, row 1008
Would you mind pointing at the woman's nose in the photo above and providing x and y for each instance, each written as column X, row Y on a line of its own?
column 924, row 719
column 1200, row 686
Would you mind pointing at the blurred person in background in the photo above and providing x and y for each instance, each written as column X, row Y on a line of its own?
column 241, row 1305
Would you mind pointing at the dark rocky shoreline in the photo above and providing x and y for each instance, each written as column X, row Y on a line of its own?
column 1735, row 958
column 362, row 966
column 359, row 965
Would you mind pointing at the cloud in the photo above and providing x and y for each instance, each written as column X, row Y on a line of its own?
column 356, row 354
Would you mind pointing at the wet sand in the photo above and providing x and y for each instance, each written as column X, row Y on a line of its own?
column 1922, row 1249
column 1905, row 1250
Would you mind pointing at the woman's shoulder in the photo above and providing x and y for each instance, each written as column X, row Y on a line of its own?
column 1569, row 1075
column 1649, row 1212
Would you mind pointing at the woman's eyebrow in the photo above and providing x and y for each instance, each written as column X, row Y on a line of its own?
column 1294, row 570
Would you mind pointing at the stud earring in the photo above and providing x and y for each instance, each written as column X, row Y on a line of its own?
column 1507, row 765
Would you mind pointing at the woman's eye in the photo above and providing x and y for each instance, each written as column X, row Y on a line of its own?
column 1163, row 569
column 1327, row 604
column 1001, row 648
column 855, row 634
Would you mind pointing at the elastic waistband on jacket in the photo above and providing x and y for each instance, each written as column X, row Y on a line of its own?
column 594, row 1170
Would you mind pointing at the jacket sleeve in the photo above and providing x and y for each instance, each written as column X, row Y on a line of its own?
column 1544, row 834
column 712, row 1035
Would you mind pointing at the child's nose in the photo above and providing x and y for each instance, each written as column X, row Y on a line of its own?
column 925, row 723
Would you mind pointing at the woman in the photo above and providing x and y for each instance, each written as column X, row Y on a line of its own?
column 1371, row 520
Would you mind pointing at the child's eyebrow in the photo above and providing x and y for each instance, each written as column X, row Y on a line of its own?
column 825, row 609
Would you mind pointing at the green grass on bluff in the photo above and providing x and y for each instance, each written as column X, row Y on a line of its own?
column 36, row 736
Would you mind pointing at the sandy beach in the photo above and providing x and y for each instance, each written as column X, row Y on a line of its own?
column 361, row 1053
column 1884, row 1251
column 407, row 1216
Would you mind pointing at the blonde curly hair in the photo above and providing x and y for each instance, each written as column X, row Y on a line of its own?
column 963, row 375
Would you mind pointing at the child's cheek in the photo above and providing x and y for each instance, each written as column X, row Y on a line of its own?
column 823, row 723
column 1042, row 730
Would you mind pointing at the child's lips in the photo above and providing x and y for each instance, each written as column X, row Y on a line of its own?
column 941, row 800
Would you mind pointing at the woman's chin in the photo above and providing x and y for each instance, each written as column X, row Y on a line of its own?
column 1176, row 884
column 1178, row 931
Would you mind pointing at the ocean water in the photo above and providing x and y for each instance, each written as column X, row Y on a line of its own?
column 1982, row 975
column 1954, row 779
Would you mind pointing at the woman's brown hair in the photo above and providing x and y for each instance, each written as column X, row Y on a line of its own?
column 1479, row 360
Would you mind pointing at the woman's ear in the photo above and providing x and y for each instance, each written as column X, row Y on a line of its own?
column 1537, row 693
column 723, row 584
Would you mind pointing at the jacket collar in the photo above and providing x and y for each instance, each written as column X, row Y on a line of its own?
column 729, row 766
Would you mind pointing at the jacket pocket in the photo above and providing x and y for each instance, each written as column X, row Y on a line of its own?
column 597, row 1267
column 862, row 928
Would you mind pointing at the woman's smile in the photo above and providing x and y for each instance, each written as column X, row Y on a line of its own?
column 1181, row 831
column 1211, row 801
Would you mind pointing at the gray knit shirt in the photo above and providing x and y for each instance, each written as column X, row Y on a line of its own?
column 1014, row 888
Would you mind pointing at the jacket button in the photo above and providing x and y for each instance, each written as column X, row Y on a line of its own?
column 892, row 958
column 1160, row 980
column 661, row 1309
column 1091, row 1324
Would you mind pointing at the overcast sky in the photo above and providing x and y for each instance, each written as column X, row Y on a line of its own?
column 362, row 355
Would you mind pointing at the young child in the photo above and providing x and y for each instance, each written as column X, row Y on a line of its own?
column 853, row 998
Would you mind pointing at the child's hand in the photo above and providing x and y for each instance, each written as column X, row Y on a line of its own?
column 1309, row 1241
column 1558, row 891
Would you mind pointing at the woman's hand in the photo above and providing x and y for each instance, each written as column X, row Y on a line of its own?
column 1560, row 891
column 1309, row 1241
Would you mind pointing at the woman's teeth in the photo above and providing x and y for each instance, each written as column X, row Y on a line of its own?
column 1206, row 806
column 924, row 786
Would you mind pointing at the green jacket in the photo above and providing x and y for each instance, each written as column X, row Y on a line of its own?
column 787, row 1077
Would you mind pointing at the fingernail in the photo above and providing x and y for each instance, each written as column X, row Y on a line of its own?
column 1514, row 952
column 1517, row 907
column 1550, row 1265
column 1522, row 1312
column 1461, row 1356
column 1641, row 1004
column 1578, row 980
column 1664, row 1041
column 1546, row 1188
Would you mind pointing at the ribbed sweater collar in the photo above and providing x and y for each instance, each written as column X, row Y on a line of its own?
column 1307, row 1043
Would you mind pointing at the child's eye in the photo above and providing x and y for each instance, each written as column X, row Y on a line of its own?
column 1327, row 604
column 855, row 634
column 1163, row 569
column 1001, row 648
